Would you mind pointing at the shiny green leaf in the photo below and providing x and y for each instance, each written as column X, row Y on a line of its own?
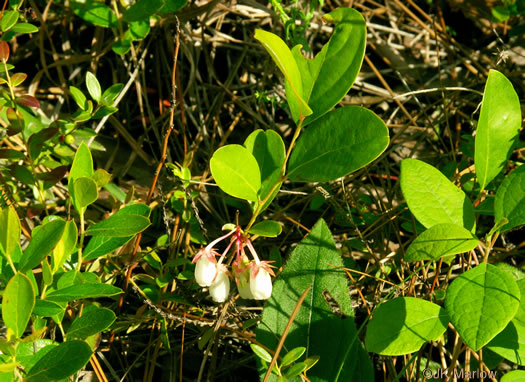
column 268, row 149
column 85, row 192
column 18, row 301
column 43, row 242
column 498, row 127
column 236, row 172
column 82, row 167
column 10, row 231
column 441, row 240
column 283, row 58
column 45, row 308
column 432, row 198
column 102, row 245
column 79, row 291
column 293, row 355
column 481, row 302
column 60, row 362
column 267, row 228
column 24, row 28
column 91, row 322
column 65, row 246
column 9, row 19
column 79, row 97
column 340, row 142
column 95, row 12
column 119, row 226
column 261, row 352
column 402, row 325
column 328, row 77
column 93, row 86
column 510, row 200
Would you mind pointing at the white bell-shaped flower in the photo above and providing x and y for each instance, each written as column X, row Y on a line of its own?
column 260, row 283
column 241, row 268
column 206, row 269
column 243, row 285
column 220, row 287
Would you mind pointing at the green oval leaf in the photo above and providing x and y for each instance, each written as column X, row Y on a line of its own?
column 82, row 167
column 95, row 12
column 139, row 29
column 9, row 19
column 93, row 86
column 328, row 77
column 104, row 111
column 441, row 240
column 86, row 290
column 10, row 231
column 236, row 172
column 498, row 127
column 432, row 198
column 119, row 225
column 79, row 97
column 283, row 58
column 296, row 369
column 324, row 323
column 43, row 242
column 18, row 302
column 261, row 352
column 25, row 28
column 400, row 326
column 510, row 200
column 293, row 355
column 481, row 302
column 45, row 308
column 91, row 322
column 121, row 47
column 267, row 228
column 111, row 94
column 86, row 192
column 66, row 245
column 60, row 362
column 268, row 149
column 102, row 245
column 340, row 142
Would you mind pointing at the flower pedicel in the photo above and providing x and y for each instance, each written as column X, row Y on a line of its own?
column 251, row 276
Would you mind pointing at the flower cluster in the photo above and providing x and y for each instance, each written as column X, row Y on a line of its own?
column 251, row 276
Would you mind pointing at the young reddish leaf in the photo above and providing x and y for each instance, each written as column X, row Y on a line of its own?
column 18, row 78
column 54, row 175
column 22, row 174
column 4, row 51
column 37, row 140
column 11, row 154
column 11, row 114
column 28, row 100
